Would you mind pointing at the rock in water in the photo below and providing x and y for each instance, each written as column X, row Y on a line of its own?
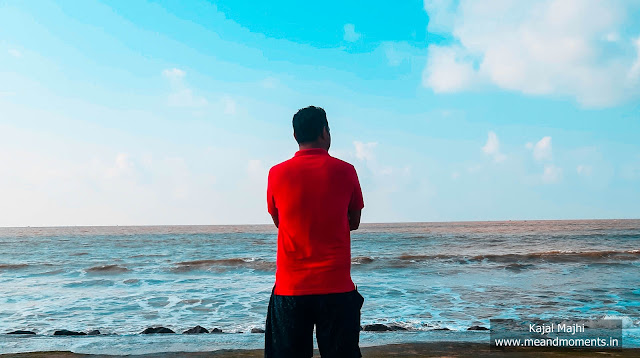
column 376, row 327
column 151, row 330
column 95, row 332
column 395, row 327
column 216, row 330
column 477, row 328
column 257, row 330
column 196, row 330
column 21, row 332
column 64, row 332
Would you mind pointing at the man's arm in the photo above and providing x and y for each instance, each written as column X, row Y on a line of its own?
column 354, row 219
column 271, row 201
column 276, row 219
column 356, row 203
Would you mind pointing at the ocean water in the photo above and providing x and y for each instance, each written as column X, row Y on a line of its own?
column 422, row 276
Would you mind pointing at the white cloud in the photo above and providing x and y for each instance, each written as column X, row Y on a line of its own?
column 552, row 47
column 87, row 186
column 15, row 53
column 364, row 151
column 182, row 95
column 350, row 33
column 441, row 15
column 122, row 166
column 613, row 37
column 447, row 70
column 542, row 149
column 174, row 74
column 584, row 170
column 492, row 148
column 256, row 169
column 382, row 183
column 551, row 174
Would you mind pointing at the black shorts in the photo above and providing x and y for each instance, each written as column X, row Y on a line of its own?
column 290, row 320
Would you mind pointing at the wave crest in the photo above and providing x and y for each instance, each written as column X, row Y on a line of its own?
column 107, row 269
column 545, row 256
column 225, row 264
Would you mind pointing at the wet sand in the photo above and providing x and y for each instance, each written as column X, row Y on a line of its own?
column 430, row 349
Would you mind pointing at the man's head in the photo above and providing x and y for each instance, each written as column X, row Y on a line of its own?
column 311, row 129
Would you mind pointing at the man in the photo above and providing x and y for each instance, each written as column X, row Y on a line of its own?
column 315, row 201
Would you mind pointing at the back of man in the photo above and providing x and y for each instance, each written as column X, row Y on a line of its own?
column 315, row 200
column 313, row 192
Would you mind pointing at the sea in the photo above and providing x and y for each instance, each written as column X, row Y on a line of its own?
column 435, row 280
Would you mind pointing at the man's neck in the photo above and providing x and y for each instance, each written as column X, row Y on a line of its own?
column 311, row 146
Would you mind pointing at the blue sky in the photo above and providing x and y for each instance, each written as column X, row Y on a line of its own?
column 168, row 112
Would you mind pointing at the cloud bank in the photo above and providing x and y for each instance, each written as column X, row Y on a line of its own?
column 585, row 50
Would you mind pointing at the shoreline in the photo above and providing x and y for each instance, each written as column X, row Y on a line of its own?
column 422, row 349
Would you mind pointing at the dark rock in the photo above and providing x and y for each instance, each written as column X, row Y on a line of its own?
column 95, row 332
column 257, row 330
column 376, row 327
column 395, row 327
column 21, row 332
column 151, row 330
column 216, row 330
column 196, row 330
column 477, row 328
column 64, row 332
column 361, row 328
column 441, row 329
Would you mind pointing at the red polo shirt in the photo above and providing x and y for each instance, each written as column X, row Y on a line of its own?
column 311, row 193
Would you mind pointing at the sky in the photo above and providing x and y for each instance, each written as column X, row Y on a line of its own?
column 172, row 112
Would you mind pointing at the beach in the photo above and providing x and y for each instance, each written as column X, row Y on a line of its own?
column 422, row 282
column 439, row 178
column 432, row 349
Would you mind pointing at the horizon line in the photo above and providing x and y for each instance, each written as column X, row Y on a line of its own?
column 364, row 223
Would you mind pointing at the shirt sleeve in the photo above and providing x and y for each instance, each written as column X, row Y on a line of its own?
column 356, row 202
column 271, row 201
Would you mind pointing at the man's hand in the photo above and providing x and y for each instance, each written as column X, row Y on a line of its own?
column 354, row 219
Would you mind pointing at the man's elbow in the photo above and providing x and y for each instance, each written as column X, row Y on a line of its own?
column 354, row 219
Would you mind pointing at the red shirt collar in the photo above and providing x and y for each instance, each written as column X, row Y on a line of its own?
column 311, row 151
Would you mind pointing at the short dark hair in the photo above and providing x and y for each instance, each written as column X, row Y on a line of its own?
column 308, row 124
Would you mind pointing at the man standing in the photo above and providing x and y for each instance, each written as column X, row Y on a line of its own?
column 315, row 201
